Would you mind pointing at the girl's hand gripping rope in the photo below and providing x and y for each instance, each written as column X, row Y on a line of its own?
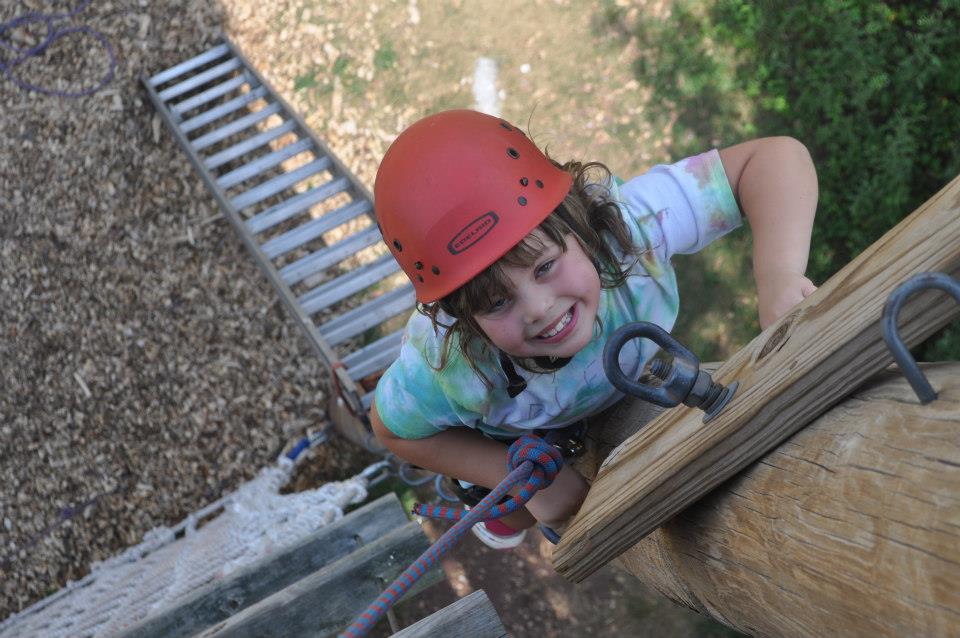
column 532, row 462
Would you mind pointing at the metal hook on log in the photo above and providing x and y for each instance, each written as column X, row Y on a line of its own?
column 891, row 311
column 682, row 380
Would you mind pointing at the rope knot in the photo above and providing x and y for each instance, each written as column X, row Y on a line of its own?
column 529, row 459
column 545, row 457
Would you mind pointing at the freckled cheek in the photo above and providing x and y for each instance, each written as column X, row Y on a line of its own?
column 503, row 333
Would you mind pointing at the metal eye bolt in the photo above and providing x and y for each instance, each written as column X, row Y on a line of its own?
column 683, row 380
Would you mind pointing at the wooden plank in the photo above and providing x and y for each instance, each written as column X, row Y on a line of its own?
column 470, row 617
column 790, row 374
column 851, row 527
column 221, row 599
column 327, row 601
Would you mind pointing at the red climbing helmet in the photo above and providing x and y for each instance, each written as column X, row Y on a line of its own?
column 456, row 191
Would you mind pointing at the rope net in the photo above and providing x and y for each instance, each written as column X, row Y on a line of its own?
column 172, row 563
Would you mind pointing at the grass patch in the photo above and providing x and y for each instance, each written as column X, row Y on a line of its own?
column 385, row 57
column 306, row 81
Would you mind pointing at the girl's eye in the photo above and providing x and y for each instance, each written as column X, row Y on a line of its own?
column 545, row 267
column 497, row 304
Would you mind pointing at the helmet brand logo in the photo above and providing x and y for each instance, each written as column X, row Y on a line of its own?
column 472, row 233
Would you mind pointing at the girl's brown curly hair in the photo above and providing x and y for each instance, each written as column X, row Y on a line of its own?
column 586, row 212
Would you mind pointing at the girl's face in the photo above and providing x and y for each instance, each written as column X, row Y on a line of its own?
column 551, row 305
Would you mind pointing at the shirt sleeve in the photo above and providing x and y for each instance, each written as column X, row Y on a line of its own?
column 409, row 398
column 690, row 201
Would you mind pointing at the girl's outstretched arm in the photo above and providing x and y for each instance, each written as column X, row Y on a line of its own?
column 468, row 455
column 775, row 183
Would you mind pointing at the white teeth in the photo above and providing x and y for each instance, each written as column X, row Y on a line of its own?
column 564, row 320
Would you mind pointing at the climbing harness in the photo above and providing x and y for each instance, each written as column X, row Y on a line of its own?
column 682, row 380
column 532, row 463
column 891, row 311
column 53, row 34
column 303, row 216
column 517, row 384
column 456, row 191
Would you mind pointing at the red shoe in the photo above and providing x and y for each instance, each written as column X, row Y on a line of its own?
column 498, row 535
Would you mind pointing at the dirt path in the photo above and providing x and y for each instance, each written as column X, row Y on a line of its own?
column 533, row 600
column 361, row 72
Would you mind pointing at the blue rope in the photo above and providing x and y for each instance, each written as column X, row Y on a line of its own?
column 532, row 462
column 54, row 33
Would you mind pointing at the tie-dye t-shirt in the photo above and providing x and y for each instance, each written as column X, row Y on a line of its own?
column 672, row 209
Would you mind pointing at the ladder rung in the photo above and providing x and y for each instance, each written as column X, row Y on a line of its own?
column 317, row 261
column 279, row 183
column 263, row 163
column 212, row 98
column 296, row 204
column 226, row 108
column 189, row 65
column 285, row 242
column 210, row 94
column 199, row 79
column 330, row 292
column 374, row 357
column 370, row 314
column 242, row 148
column 235, row 126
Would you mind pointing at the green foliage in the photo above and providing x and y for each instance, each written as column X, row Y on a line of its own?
column 305, row 81
column 340, row 65
column 385, row 57
column 872, row 89
column 351, row 82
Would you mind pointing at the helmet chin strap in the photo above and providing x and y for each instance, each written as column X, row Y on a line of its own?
column 515, row 383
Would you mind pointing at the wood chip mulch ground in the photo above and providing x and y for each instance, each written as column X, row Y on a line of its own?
column 145, row 366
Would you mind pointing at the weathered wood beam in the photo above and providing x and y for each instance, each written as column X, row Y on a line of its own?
column 472, row 616
column 324, row 603
column 789, row 374
column 223, row 598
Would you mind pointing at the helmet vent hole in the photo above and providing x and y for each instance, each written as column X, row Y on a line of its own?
column 514, row 153
column 418, row 265
column 420, row 278
column 522, row 200
column 396, row 244
column 539, row 184
column 505, row 125
column 524, row 181
column 435, row 270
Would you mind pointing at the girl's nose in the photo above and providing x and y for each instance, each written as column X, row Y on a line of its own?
column 535, row 304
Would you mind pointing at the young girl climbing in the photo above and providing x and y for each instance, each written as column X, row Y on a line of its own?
column 520, row 268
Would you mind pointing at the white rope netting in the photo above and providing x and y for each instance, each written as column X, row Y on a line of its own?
column 171, row 563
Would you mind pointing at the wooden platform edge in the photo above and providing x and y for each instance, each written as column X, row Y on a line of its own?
column 325, row 602
column 473, row 616
column 222, row 599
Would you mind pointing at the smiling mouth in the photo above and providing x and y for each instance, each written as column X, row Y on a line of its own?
column 558, row 327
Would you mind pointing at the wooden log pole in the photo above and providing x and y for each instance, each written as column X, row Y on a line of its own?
column 791, row 373
column 851, row 527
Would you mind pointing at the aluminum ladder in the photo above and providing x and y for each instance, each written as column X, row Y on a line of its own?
column 309, row 225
